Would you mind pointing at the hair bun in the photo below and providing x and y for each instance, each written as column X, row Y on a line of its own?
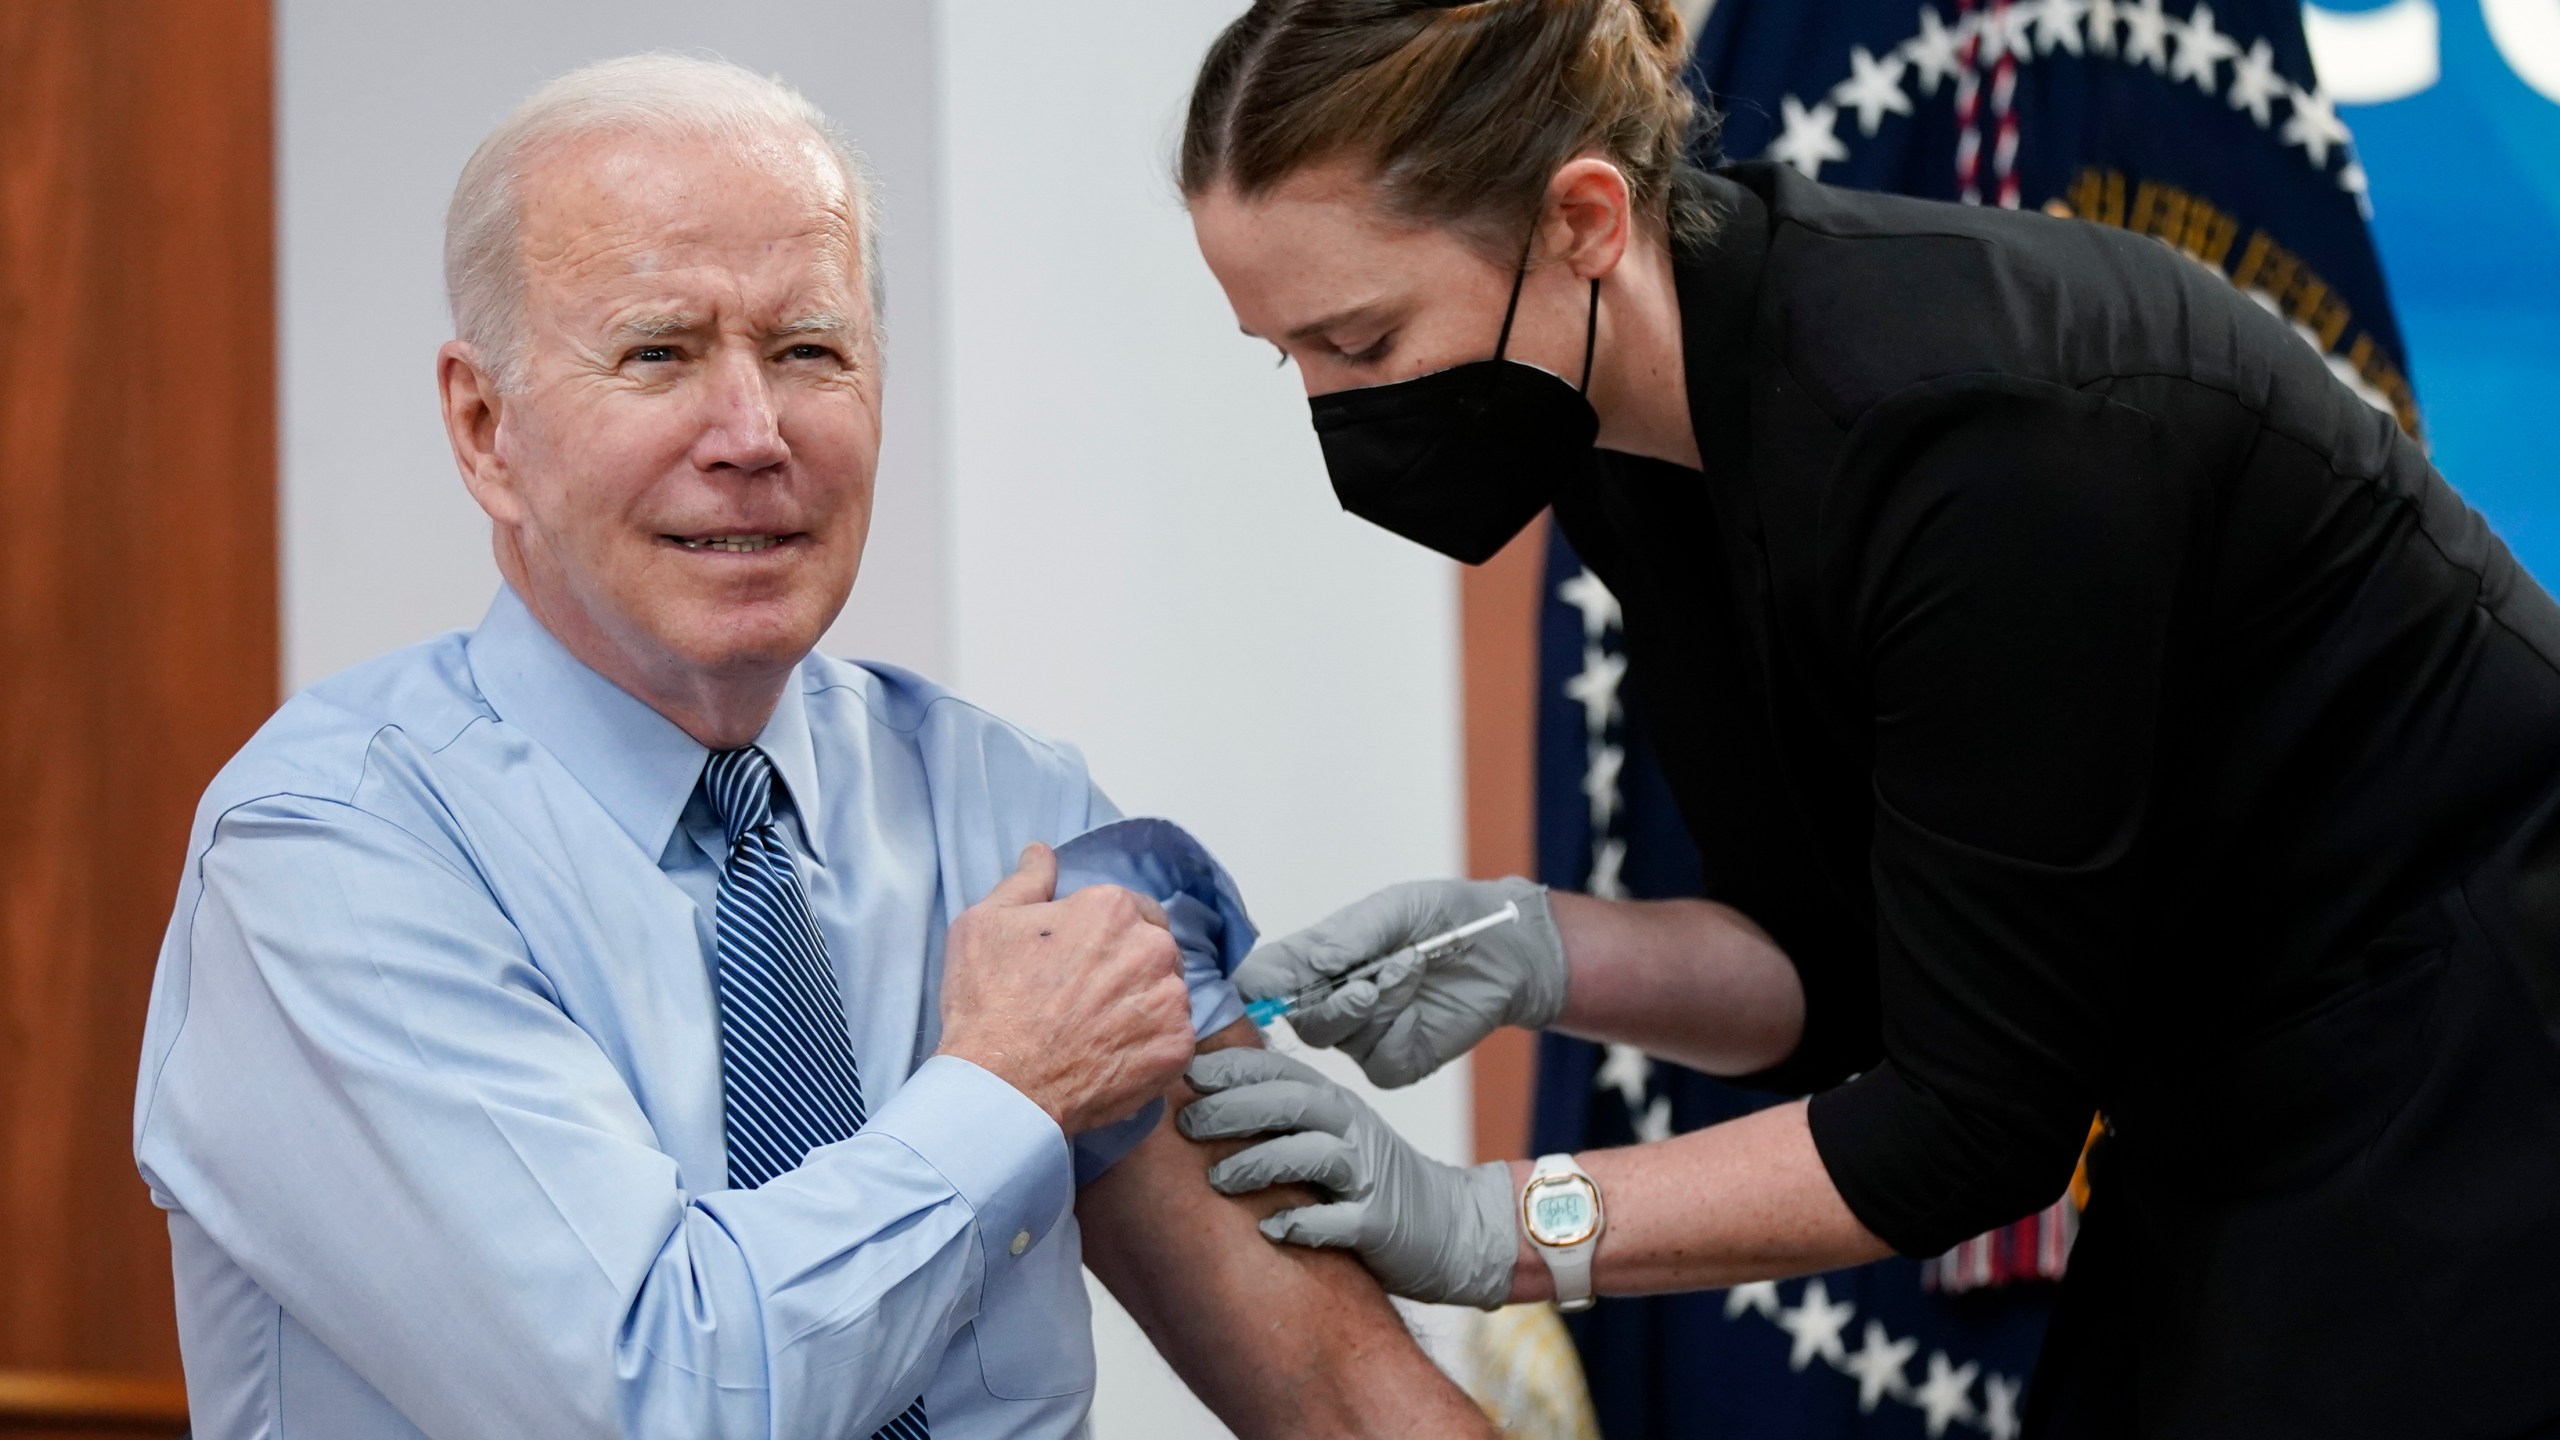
column 1669, row 28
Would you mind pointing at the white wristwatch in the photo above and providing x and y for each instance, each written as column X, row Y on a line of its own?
column 1560, row 1213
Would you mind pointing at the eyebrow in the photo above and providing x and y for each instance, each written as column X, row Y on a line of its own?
column 816, row 322
column 1362, row 311
column 660, row 326
column 654, row 327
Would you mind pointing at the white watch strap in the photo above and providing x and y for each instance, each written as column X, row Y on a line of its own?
column 1568, row 1265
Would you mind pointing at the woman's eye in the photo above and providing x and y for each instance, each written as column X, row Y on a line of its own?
column 1374, row 352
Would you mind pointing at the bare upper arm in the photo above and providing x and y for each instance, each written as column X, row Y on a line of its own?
column 1275, row 1339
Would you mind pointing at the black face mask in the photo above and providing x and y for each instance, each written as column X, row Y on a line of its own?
column 1460, row 459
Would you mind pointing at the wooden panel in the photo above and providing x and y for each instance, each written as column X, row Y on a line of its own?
column 94, row 1407
column 1498, row 640
column 137, row 620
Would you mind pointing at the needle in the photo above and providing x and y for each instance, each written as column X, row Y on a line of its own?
column 1433, row 950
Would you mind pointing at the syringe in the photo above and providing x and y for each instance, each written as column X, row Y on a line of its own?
column 1432, row 951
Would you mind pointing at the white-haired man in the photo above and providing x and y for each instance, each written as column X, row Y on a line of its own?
column 565, row 1028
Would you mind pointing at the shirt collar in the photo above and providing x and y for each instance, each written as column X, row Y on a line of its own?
column 639, row 765
column 1719, row 288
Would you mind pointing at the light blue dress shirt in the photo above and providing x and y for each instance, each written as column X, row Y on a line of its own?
column 431, row 1083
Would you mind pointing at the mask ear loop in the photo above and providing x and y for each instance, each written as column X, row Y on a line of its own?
column 1590, row 324
column 1590, row 335
column 1504, row 343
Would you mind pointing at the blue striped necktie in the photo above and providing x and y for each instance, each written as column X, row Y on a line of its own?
column 786, row 1060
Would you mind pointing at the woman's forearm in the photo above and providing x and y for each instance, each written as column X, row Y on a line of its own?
column 1745, row 1200
column 1688, row 980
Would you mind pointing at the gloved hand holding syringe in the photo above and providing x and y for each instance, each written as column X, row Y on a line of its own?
column 1412, row 977
column 1426, row 953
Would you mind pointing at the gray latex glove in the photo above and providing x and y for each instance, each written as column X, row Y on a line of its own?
column 1410, row 1020
column 1428, row 1231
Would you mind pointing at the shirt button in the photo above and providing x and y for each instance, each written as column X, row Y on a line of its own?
column 1021, row 1241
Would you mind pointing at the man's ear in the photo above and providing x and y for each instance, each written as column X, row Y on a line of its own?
column 473, row 409
column 1590, row 216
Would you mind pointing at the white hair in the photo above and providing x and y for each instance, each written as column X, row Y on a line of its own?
column 656, row 93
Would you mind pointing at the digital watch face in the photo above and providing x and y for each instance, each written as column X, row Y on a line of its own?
column 1561, row 1210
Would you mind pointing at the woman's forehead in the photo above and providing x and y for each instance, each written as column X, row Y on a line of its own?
column 1318, row 243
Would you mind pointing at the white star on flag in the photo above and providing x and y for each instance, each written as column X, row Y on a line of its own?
column 1599, row 608
column 1947, row 1395
column 2315, row 126
column 2353, row 180
column 2000, row 1407
column 1807, row 140
column 1935, row 49
column 1873, row 87
column 1600, row 784
column 2004, row 29
column 1608, row 860
column 1760, row 1295
column 2102, row 27
column 2146, row 35
column 2058, row 25
column 1816, row 1324
column 2255, row 85
column 1655, row 1123
column 1596, row 688
column 1878, row 1368
column 1627, row 1070
column 2201, row 48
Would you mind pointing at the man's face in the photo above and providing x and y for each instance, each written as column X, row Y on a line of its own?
column 682, row 489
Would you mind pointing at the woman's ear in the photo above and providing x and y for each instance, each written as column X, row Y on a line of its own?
column 1590, row 217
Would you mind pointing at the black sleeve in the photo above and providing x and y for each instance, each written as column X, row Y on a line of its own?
column 2004, row 557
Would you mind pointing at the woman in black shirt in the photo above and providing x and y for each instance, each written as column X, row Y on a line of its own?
column 2082, row 701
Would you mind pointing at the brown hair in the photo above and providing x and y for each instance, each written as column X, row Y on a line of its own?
column 1463, row 112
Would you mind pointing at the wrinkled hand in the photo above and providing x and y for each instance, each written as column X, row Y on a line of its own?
column 1410, row 1020
column 1077, row 1003
column 1428, row 1231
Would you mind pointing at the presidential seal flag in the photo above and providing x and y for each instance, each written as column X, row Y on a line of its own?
column 2201, row 125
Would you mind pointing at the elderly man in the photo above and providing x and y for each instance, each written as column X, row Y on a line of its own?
column 565, row 1028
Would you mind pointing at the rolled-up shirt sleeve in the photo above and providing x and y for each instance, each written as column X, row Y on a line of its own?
column 2011, row 558
column 378, row 1107
column 1206, row 913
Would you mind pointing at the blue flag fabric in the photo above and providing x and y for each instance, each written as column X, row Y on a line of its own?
column 2199, row 124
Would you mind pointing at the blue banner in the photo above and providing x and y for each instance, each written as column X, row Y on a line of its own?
column 2456, row 110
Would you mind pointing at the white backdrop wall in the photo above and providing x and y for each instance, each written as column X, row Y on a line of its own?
column 1148, row 559
column 1101, row 510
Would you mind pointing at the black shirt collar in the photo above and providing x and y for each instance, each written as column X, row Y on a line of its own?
column 1718, row 283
